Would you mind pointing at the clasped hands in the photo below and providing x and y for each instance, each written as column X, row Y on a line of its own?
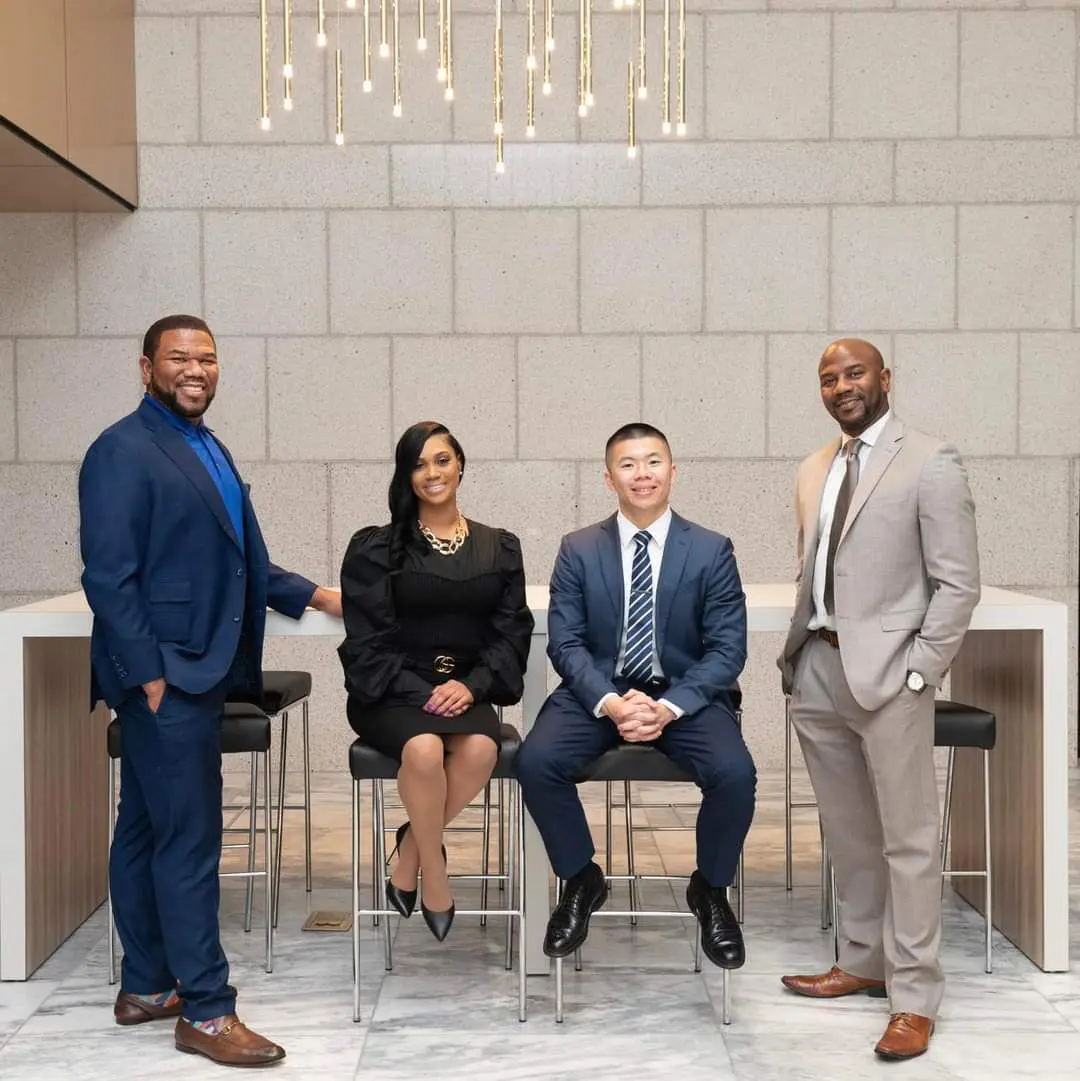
column 449, row 699
column 638, row 717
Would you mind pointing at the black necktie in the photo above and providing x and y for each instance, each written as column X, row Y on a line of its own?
column 637, row 664
column 840, row 512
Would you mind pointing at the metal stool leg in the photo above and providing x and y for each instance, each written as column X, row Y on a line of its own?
column 631, row 868
column 485, row 858
column 740, row 896
column 252, row 822
column 946, row 817
column 376, row 872
column 110, row 925
column 835, row 913
column 518, row 841
column 268, row 860
column 989, row 903
column 284, row 753
column 725, row 983
column 697, row 946
column 608, row 833
column 826, row 914
column 356, row 897
column 379, row 863
column 558, row 990
column 788, row 877
column 502, row 837
column 511, row 892
column 307, row 793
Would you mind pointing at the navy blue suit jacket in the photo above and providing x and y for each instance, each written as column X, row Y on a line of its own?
column 700, row 614
column 173, row 593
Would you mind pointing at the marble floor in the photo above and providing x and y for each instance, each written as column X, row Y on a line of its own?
column 637, row 1010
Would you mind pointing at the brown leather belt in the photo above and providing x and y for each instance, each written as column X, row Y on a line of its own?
column 827, row 636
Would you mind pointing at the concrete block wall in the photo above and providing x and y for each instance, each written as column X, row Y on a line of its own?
column 905, row 170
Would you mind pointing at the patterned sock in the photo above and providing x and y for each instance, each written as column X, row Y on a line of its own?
column 211, row 1027
column 163, row 998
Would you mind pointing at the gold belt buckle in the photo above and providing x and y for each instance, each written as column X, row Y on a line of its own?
column 444, row 664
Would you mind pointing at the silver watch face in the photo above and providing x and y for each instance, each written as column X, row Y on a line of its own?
column 915, row 682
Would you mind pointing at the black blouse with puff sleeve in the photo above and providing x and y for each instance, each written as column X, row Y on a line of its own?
column 469, row 607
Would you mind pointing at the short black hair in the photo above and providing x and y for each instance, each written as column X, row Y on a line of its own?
column 637, row 430
column 152, row 338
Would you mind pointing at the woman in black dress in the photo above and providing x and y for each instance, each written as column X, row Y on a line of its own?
column 437, row 633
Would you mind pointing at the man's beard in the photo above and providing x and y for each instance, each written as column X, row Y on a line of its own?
column 169, row 399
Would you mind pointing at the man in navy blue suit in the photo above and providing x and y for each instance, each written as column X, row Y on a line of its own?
column 647, row 628
column 178, row 578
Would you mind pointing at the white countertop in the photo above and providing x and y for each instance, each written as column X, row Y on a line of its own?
column 769, row 607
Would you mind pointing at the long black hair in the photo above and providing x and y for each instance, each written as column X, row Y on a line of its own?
column 403, row 502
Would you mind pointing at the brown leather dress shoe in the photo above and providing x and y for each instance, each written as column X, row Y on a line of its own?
column 833, row 984
column 907, row 1035
column 234, row 1045
column 131, row 1010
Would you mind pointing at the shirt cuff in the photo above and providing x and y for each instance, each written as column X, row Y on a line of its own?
column 671, row 705
column 598, row 710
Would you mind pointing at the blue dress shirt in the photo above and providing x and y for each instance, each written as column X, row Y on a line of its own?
column 209, row 452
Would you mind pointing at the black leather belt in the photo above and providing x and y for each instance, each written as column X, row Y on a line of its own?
column 827, row 636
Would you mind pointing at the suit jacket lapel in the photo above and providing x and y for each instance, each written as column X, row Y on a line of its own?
column 881, row 456
column 187, row 461
column 676, row 549
column 612, row 571
column 810, row 504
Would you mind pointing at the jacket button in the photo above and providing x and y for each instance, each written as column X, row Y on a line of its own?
column 240, row 572
column 236, row 619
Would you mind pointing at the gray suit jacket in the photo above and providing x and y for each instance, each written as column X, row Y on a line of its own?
column 907, row 568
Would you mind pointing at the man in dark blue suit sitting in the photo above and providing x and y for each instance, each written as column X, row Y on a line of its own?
column 178, row 577
column 647, row 628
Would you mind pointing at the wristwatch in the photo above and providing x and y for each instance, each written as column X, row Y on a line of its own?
column 915, row 683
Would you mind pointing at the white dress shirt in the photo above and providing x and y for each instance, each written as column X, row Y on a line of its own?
column 833, row 483
column 658, row 531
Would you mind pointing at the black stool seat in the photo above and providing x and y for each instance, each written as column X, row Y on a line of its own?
column 244, row 729
column 280, row 691
column 368, row 764
column 957, row 725
column 634, row 762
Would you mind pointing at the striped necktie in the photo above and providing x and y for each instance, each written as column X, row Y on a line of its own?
column 637, row 664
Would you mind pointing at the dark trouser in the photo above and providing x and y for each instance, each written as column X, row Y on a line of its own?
column 163, row 868
column 707, row 745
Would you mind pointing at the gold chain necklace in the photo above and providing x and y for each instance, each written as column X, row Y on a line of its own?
column 446, row 547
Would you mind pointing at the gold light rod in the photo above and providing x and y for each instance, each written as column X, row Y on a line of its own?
column 367, row 46
column 287, row 67
column 421, row 26
column 339, row 132
column 397, row 58
column 449, row 94
column 666, row 126
column 680, row 126
column 264, row 68
column 631, row 107
column 642, row 87
column 320, row 36
column 384, row 36
column 589, row 99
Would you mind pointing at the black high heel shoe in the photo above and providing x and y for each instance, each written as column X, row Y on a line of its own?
column 404, row 901
column 439, row 923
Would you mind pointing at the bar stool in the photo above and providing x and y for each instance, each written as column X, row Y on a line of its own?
column 957, row 725
column 281, row 693
column 628, row 806
column 244, row 730
column 630, row 762
column 368, row 765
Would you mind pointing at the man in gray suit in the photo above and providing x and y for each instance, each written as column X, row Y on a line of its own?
column 889, row 577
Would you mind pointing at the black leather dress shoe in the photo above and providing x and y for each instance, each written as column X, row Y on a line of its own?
column 569, row 924
column 721, row 936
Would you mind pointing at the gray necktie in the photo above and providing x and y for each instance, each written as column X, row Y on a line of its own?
column 840, row 512
column 637, row 664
